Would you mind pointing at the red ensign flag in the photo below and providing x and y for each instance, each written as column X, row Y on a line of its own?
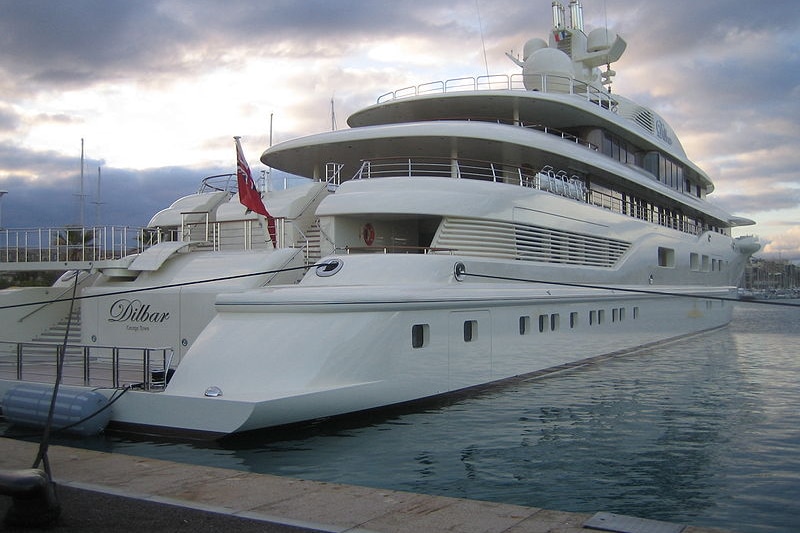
column 248, row 194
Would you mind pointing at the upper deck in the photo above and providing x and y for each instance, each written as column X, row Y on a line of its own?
column 558, row 102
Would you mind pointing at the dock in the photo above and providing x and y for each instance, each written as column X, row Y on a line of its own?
column 99, row 491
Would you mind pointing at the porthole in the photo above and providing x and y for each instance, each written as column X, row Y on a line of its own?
column 420, row 333
column 470, row 330
column 524, row 324
column 459, row 271
column 573, row 319
column 329, row 268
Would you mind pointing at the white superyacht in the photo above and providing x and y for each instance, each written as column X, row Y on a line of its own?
column 459, row 233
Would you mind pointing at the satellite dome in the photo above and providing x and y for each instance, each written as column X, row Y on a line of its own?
column 600, row 39
column 531, row 46
column 549, row 61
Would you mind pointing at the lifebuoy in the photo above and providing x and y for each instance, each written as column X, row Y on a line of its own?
column 368, row 234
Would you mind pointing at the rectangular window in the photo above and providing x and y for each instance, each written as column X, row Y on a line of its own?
column 592, row 318
column 694, row 261
column 524, row 324
column 635, row 313
column 704, row 264
column 601, row 316
column 555, row 321
column 420, row 333
column 542, row 323
column 470, row 330
column 621, row 314
column 614, row 315
column 666, row 257
column 573, row 320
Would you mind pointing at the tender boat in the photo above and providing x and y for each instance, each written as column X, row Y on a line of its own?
column 459, row 233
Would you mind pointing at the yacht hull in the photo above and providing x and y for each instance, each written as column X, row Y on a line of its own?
column 279, row 358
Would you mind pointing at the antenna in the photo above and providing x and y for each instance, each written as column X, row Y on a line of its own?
column 608, row 74
column 333, row 116
column 483, row 43
column 270, row 128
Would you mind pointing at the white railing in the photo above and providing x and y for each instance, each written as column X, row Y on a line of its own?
column 87, row 365
column 73, row 243
column 547, row 179
column 547, row 83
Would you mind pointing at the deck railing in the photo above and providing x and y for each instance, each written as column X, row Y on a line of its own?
column 60, row 246
column 87, row 365
column 72, row 243
column 547, row 83
column 547, row 178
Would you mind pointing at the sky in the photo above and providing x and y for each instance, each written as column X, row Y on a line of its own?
column 157, row 89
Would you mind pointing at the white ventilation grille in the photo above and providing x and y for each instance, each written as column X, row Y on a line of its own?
column 478, row 237
column 640, row 115
column 527, row 242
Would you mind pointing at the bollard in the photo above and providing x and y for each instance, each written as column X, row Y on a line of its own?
column 34, row 498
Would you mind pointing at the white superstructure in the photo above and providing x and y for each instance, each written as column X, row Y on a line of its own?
column 464, row 232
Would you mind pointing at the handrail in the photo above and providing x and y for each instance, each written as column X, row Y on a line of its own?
column 71, row 243
column 563, row 134
column 211, row 183
column 225, row 183
column 146, row 368
column 546, row 83
column 53, row 300
column 186, row 226
column 547, row 179
column 394, row 249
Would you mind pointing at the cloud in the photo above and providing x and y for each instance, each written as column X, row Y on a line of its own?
column 159, row 87
column 67, row 44
column 127, row 197
column 9, row 119
column 784, row 245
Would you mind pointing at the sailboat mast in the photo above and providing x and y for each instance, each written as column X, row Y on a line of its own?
column 81, row 195
column 97, row 201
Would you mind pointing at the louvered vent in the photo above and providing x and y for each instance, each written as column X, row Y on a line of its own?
column 527, row 242
column 644, row 118
column 536, row 243
column 478, row 237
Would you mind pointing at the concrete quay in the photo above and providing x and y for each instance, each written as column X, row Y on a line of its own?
column 103, row 491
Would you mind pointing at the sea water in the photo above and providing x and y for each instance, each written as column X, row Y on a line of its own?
column 705, row 431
